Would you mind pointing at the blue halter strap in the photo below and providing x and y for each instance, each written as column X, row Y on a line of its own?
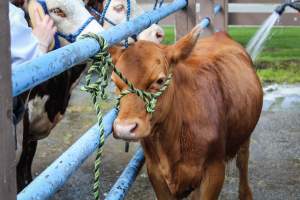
column 69, row 37
column 98, row 14
column 103, row 18
column 56, row 40
column 72, row 36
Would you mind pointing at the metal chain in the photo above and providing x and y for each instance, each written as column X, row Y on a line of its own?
column 96, row 84
column 128, row 13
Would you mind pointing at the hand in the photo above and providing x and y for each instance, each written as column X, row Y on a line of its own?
column 44, row 30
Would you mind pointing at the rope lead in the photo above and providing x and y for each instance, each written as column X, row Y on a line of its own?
column 96, row 84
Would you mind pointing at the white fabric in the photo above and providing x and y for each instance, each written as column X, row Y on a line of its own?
column 24, row 45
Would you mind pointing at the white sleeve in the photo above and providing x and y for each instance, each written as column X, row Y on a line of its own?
column 24, row 45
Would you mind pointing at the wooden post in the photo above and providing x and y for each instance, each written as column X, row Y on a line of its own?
column 218, row 21
column 197, row 10
column 186, row 19
column 7, row 142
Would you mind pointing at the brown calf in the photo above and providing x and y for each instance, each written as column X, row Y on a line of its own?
column 203, row 119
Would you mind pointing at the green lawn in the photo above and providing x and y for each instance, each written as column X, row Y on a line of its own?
column 169, row 35
column 280, row 59
column 283, row 45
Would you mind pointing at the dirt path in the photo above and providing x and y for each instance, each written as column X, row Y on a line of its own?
column 274, row 161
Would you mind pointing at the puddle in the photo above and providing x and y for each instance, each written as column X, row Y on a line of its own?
column 282, row 97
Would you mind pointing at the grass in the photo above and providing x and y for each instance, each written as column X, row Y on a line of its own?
column 280, row 60
column 283, row 45
column 169, row 35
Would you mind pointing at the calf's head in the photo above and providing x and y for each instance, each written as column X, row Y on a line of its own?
column 146, row 65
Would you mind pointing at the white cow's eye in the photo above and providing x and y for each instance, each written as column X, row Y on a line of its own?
column 58, row 12
column 119, row 8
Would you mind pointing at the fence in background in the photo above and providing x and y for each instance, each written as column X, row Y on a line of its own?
column 243, row 12
column 254, row 12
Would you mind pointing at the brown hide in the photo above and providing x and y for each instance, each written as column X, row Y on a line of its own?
column 206, row 114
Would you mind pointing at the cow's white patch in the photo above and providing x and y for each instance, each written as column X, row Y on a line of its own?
column 40, row 125
column 36, row 107
column 154, row 34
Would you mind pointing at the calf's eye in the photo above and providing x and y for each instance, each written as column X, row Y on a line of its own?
column 58, row 12
column 160, row 81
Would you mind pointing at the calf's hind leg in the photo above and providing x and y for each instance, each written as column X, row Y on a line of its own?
column 242, row 164
column 212, row 182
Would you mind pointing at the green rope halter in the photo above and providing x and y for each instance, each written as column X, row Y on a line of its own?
column 96, row 83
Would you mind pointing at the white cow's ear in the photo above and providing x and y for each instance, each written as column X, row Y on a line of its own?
column 115, row 52
column 181, row 49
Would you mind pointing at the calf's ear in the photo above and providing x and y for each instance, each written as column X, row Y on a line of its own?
column 183, row 47
column 115, row 52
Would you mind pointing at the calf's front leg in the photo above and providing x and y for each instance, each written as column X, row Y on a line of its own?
column 159, row 185
column 212, row 182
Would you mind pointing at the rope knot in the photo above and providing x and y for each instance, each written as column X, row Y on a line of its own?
column 151, row 105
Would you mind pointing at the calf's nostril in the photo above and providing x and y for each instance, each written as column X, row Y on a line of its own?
column 133, row 128
column 124, row 129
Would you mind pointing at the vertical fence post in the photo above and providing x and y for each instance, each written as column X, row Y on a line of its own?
column 196, row 10
column 7, row 146
column 219, row 21
column 186, row 19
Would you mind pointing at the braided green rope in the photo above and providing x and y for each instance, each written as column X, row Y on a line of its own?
column 96, row 83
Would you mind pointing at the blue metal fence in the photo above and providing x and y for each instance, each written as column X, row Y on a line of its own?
column 30, row 74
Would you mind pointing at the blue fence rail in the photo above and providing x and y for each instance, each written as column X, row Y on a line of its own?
column 124, row 182
column 56, row 174
column 30, row 74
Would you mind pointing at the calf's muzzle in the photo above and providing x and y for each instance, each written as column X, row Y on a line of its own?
column 125, row 129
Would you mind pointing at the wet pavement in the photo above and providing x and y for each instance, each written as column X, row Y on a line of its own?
column 274, row 160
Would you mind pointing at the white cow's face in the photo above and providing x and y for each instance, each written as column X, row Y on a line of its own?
column 70, row 15
column 117, row 13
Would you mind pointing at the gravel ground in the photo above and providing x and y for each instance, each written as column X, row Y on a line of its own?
column 274, row 160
